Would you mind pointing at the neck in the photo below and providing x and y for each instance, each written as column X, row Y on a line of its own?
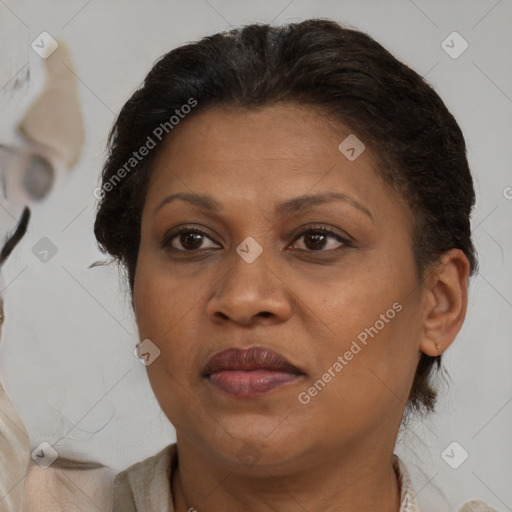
column 340, row 480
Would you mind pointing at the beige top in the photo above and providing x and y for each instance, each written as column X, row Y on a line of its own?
column 145, row 486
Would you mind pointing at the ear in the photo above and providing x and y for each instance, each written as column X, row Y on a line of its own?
column 445, row 302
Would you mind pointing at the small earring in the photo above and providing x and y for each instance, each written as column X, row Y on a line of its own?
column 437, row 346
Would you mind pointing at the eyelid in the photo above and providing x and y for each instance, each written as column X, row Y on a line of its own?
column 328, row 230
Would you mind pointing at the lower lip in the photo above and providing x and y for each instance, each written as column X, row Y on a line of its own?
column 250, row 383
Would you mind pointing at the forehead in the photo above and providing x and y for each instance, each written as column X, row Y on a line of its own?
column 264, row 155
column 279, row 132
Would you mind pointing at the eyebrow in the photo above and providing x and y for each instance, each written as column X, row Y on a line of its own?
column 293, row 205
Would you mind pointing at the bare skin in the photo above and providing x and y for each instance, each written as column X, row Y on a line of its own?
column 307, row 299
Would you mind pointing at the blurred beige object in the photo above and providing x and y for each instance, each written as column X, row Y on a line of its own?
column 55, row 118
column 14, row 439
column 72, row 489
column 14, row 456
column 476, row 506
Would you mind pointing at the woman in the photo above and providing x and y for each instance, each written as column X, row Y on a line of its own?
column 292, row 209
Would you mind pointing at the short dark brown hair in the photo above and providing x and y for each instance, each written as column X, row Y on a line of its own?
column 349, row 77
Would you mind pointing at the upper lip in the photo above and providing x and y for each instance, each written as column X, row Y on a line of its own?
column 254, row 358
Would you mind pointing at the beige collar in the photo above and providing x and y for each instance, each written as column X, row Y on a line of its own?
column 407, row 499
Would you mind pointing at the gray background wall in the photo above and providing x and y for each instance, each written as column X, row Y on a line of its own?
column 66, row 356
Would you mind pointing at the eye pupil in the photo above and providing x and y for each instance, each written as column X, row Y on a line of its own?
column 317, row 239
column 191, row 239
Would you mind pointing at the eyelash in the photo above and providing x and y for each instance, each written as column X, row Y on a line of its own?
column 321, row 229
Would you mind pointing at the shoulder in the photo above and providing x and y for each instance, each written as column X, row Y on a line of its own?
column 148, row 467
column 407, row 496
column 146, row 484
column 476, row 506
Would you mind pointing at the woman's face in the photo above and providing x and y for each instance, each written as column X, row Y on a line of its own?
column 346, row 315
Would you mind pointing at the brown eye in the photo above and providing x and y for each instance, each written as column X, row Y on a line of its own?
column 317, row 239
column 187, row 240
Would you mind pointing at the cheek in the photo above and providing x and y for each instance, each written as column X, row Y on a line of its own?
column 356, row 305
column 164, row 311
column 160, row 300
column 366, row 364
column 379, row 376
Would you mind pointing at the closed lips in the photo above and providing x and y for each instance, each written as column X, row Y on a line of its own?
column 249, row 373
column 254, row 358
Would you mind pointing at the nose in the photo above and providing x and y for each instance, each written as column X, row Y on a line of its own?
column 251, row 292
